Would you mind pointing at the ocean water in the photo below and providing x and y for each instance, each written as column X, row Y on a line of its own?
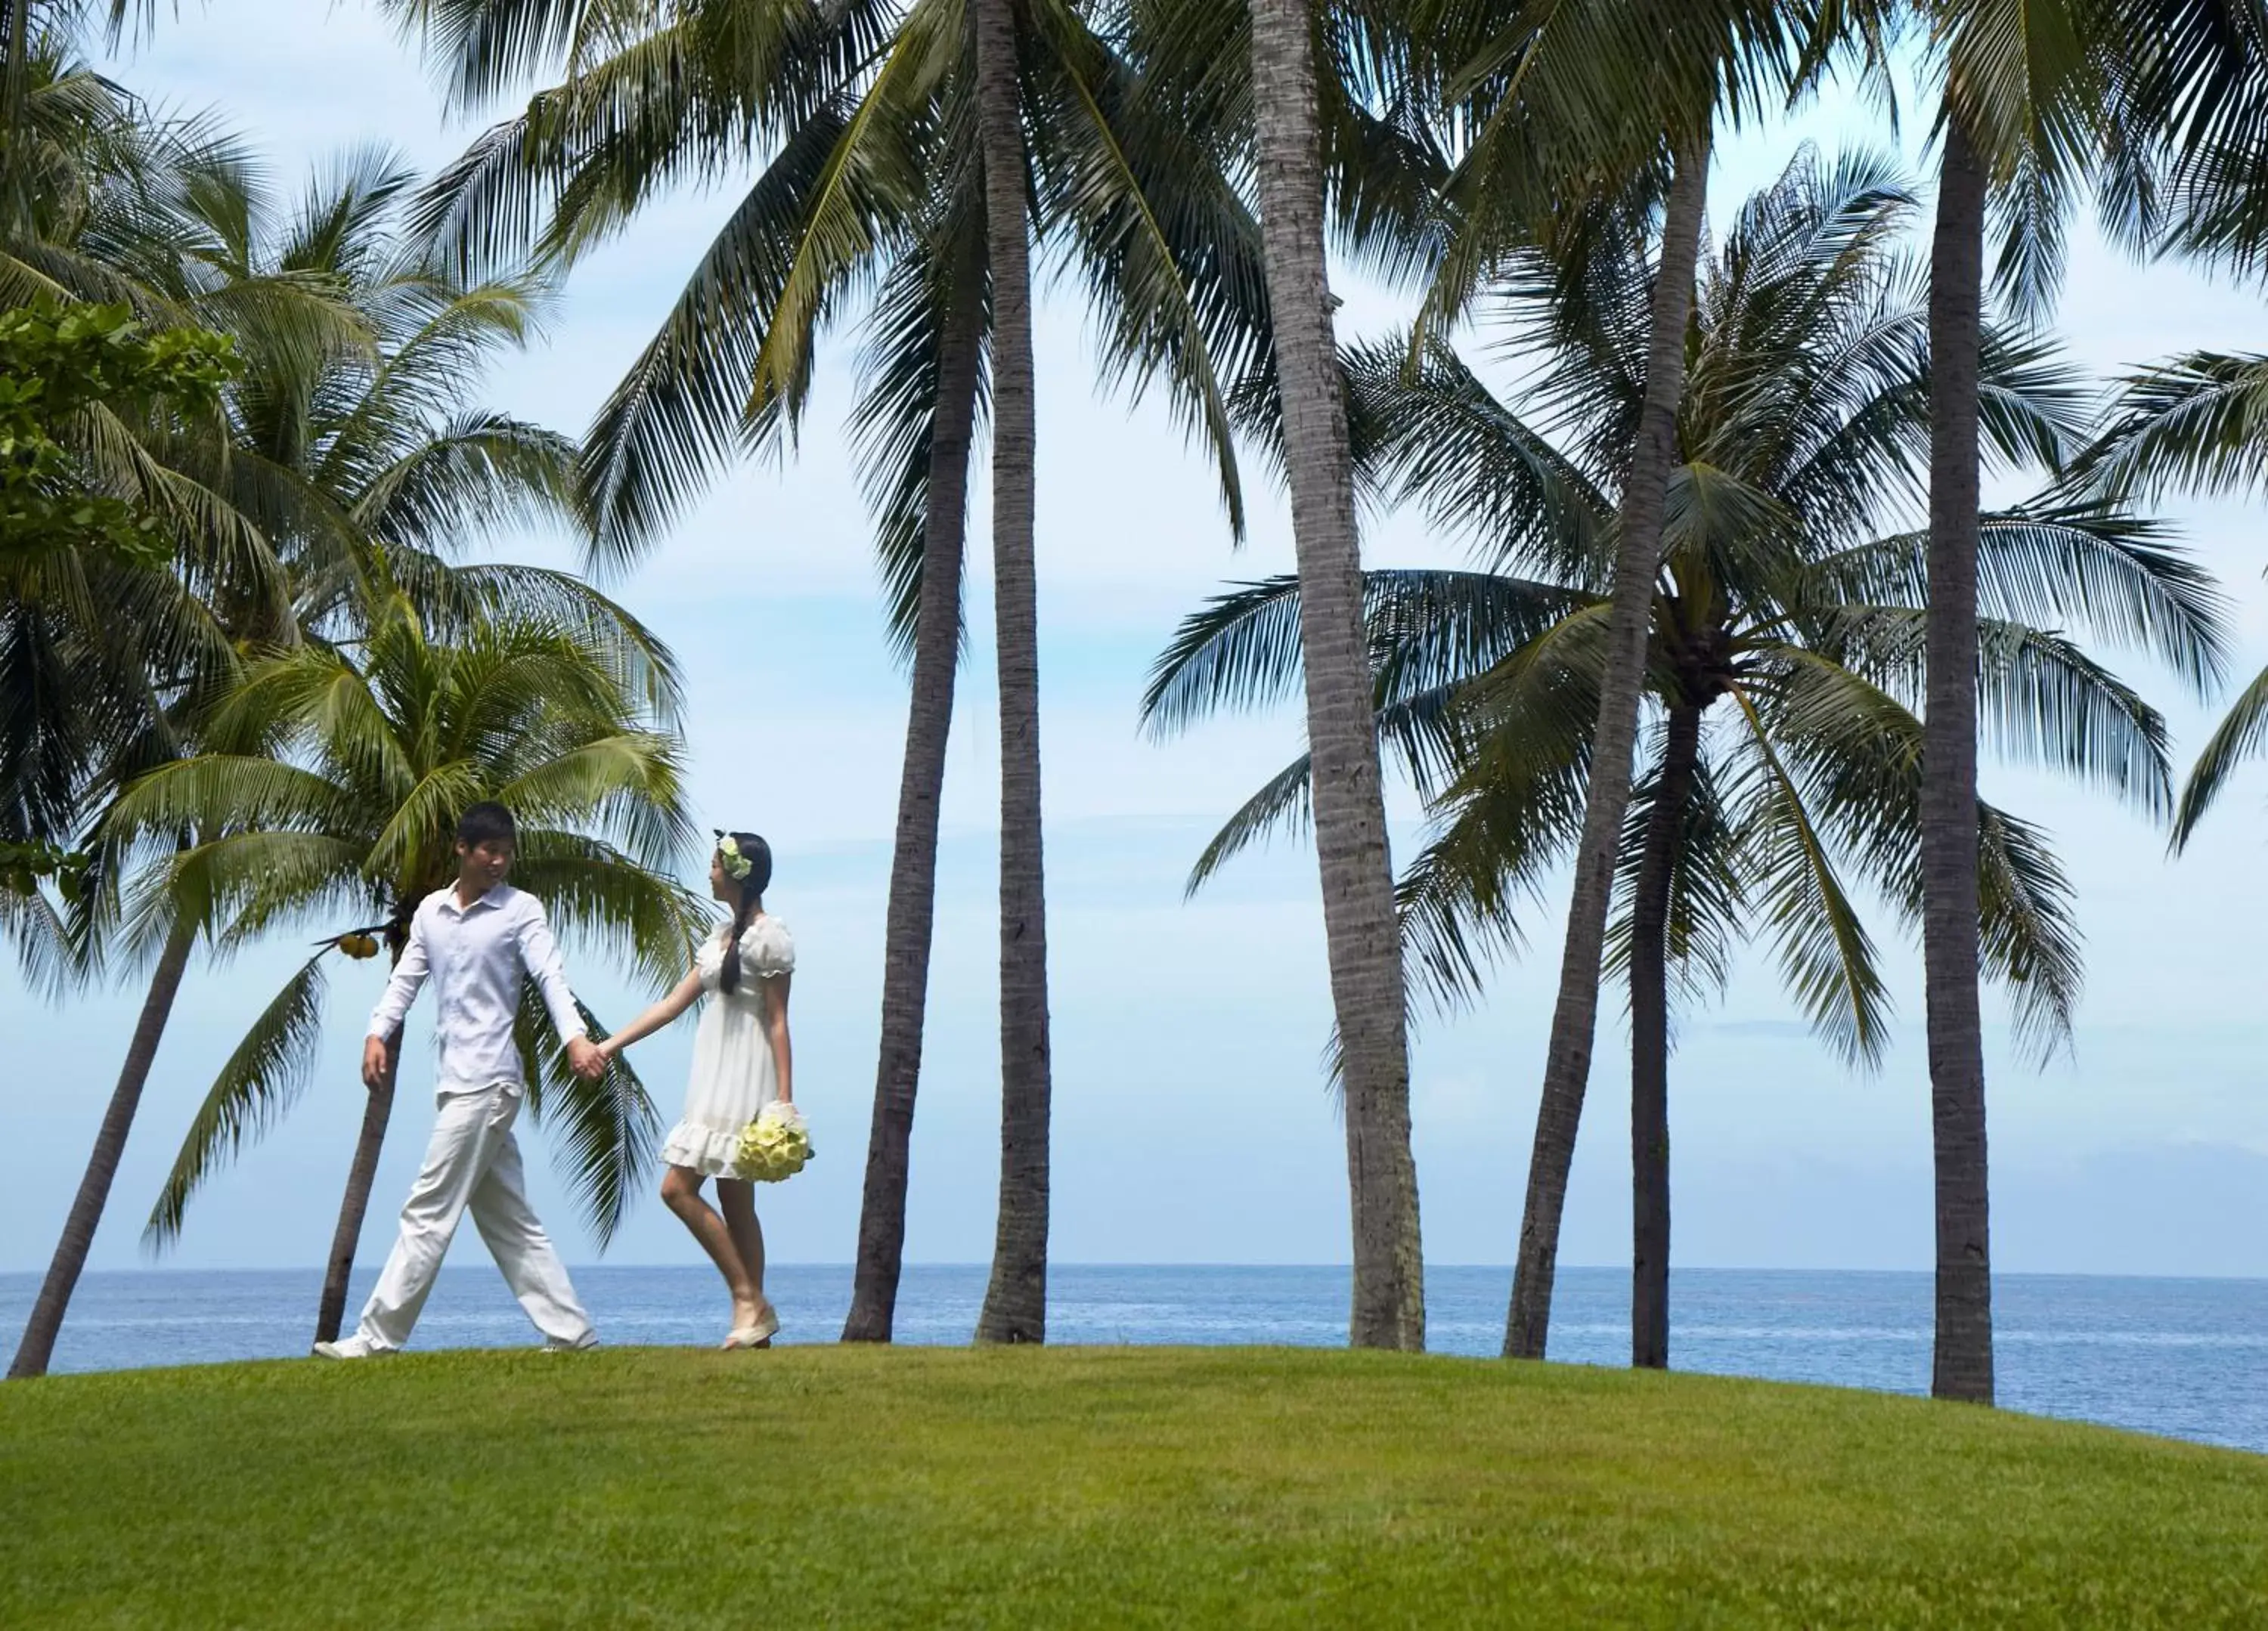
column 2186, row 1358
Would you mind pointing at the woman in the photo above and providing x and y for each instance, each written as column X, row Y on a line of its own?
column 741, row 1062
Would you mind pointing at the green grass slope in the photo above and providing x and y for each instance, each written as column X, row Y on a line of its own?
column 1086, row 1488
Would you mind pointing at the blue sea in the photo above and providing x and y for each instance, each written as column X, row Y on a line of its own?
column 2187, row 1358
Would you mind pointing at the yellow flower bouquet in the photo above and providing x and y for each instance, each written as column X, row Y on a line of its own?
column 775, row 1146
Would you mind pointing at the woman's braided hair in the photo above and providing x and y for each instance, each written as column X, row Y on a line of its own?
column 748, row 849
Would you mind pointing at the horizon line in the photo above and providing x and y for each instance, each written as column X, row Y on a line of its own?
column 975, row 1265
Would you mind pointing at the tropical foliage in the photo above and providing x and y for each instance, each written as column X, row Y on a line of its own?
column 1740, row 626
column 1779, row 785
column 54, row 363
column 364, row 452
column 98, row 648
column 334, row 491
column 2199, row 424
column 328, row 785
column 859, row 135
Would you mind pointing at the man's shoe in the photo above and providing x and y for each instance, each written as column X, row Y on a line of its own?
column 351, row 1347
column 582, row 1344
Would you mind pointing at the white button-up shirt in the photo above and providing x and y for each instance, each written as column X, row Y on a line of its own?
column 478, row 955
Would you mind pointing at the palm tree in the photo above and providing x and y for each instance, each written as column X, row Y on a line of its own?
column 1613, row 103
column 1016, row 1298
column 90, row 189
column 349, row 448
column 103, row 659
column 1350, row 842
column 2027, row 87
column 1801, row 434
column 376, row 451
column 2160, row 101
column 1574, row 1017
column 104, row 662
column 875, row 120
column 328, row 787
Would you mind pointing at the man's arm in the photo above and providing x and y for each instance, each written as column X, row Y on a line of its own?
column 394, row 1007
column 539, row 955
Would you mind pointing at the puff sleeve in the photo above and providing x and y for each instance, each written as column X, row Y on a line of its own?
column 767, row 949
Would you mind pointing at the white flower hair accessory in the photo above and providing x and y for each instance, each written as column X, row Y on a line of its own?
column 737, row 866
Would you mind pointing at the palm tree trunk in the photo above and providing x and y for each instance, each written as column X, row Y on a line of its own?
column 1016, row 1301
column 921, row 788
column 1649, row 978
column 18, row 19
column 1962, row 1364
column 1361, row 930
column 1575, row 1019
column 38, row 1345
column 330, row 1312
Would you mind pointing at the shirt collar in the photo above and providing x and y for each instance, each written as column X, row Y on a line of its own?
column 495, row 896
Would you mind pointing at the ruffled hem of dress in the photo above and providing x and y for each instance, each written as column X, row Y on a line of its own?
column 703, row 1148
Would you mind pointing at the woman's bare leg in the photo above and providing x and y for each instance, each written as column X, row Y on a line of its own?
column 681, row 1191
column 738, row 1199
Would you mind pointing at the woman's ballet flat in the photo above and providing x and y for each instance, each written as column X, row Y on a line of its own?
column 757, row 1335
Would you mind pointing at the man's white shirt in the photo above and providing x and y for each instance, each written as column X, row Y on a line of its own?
column 477, row 956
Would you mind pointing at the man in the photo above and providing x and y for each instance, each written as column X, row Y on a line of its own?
column 479, row 938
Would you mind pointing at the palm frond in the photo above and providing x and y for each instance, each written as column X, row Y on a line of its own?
column 1241, row 652
column 265, row 1075
column 2028, row 930
column 2236, row 738
column 608, row 900
column 923, row 344
column 2041, row 699
column 680, row 414
column 1442, row 439
column 2195, row 423
column 2052, row 564
column 1168, row 251
column 607, row 1129
column 1858, row 752
column 478, row 475
column 1825, row 954
column 1427, row 630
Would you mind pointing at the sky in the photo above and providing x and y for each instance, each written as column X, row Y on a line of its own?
column 1191, row 1120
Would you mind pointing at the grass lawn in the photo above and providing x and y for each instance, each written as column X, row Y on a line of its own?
column 1086, row 1487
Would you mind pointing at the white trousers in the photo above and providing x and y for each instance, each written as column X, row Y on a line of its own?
column 473, row 1163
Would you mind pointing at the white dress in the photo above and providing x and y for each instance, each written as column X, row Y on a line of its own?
column 733, row 1077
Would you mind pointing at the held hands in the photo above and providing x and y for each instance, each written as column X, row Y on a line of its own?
column 584, row 1058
